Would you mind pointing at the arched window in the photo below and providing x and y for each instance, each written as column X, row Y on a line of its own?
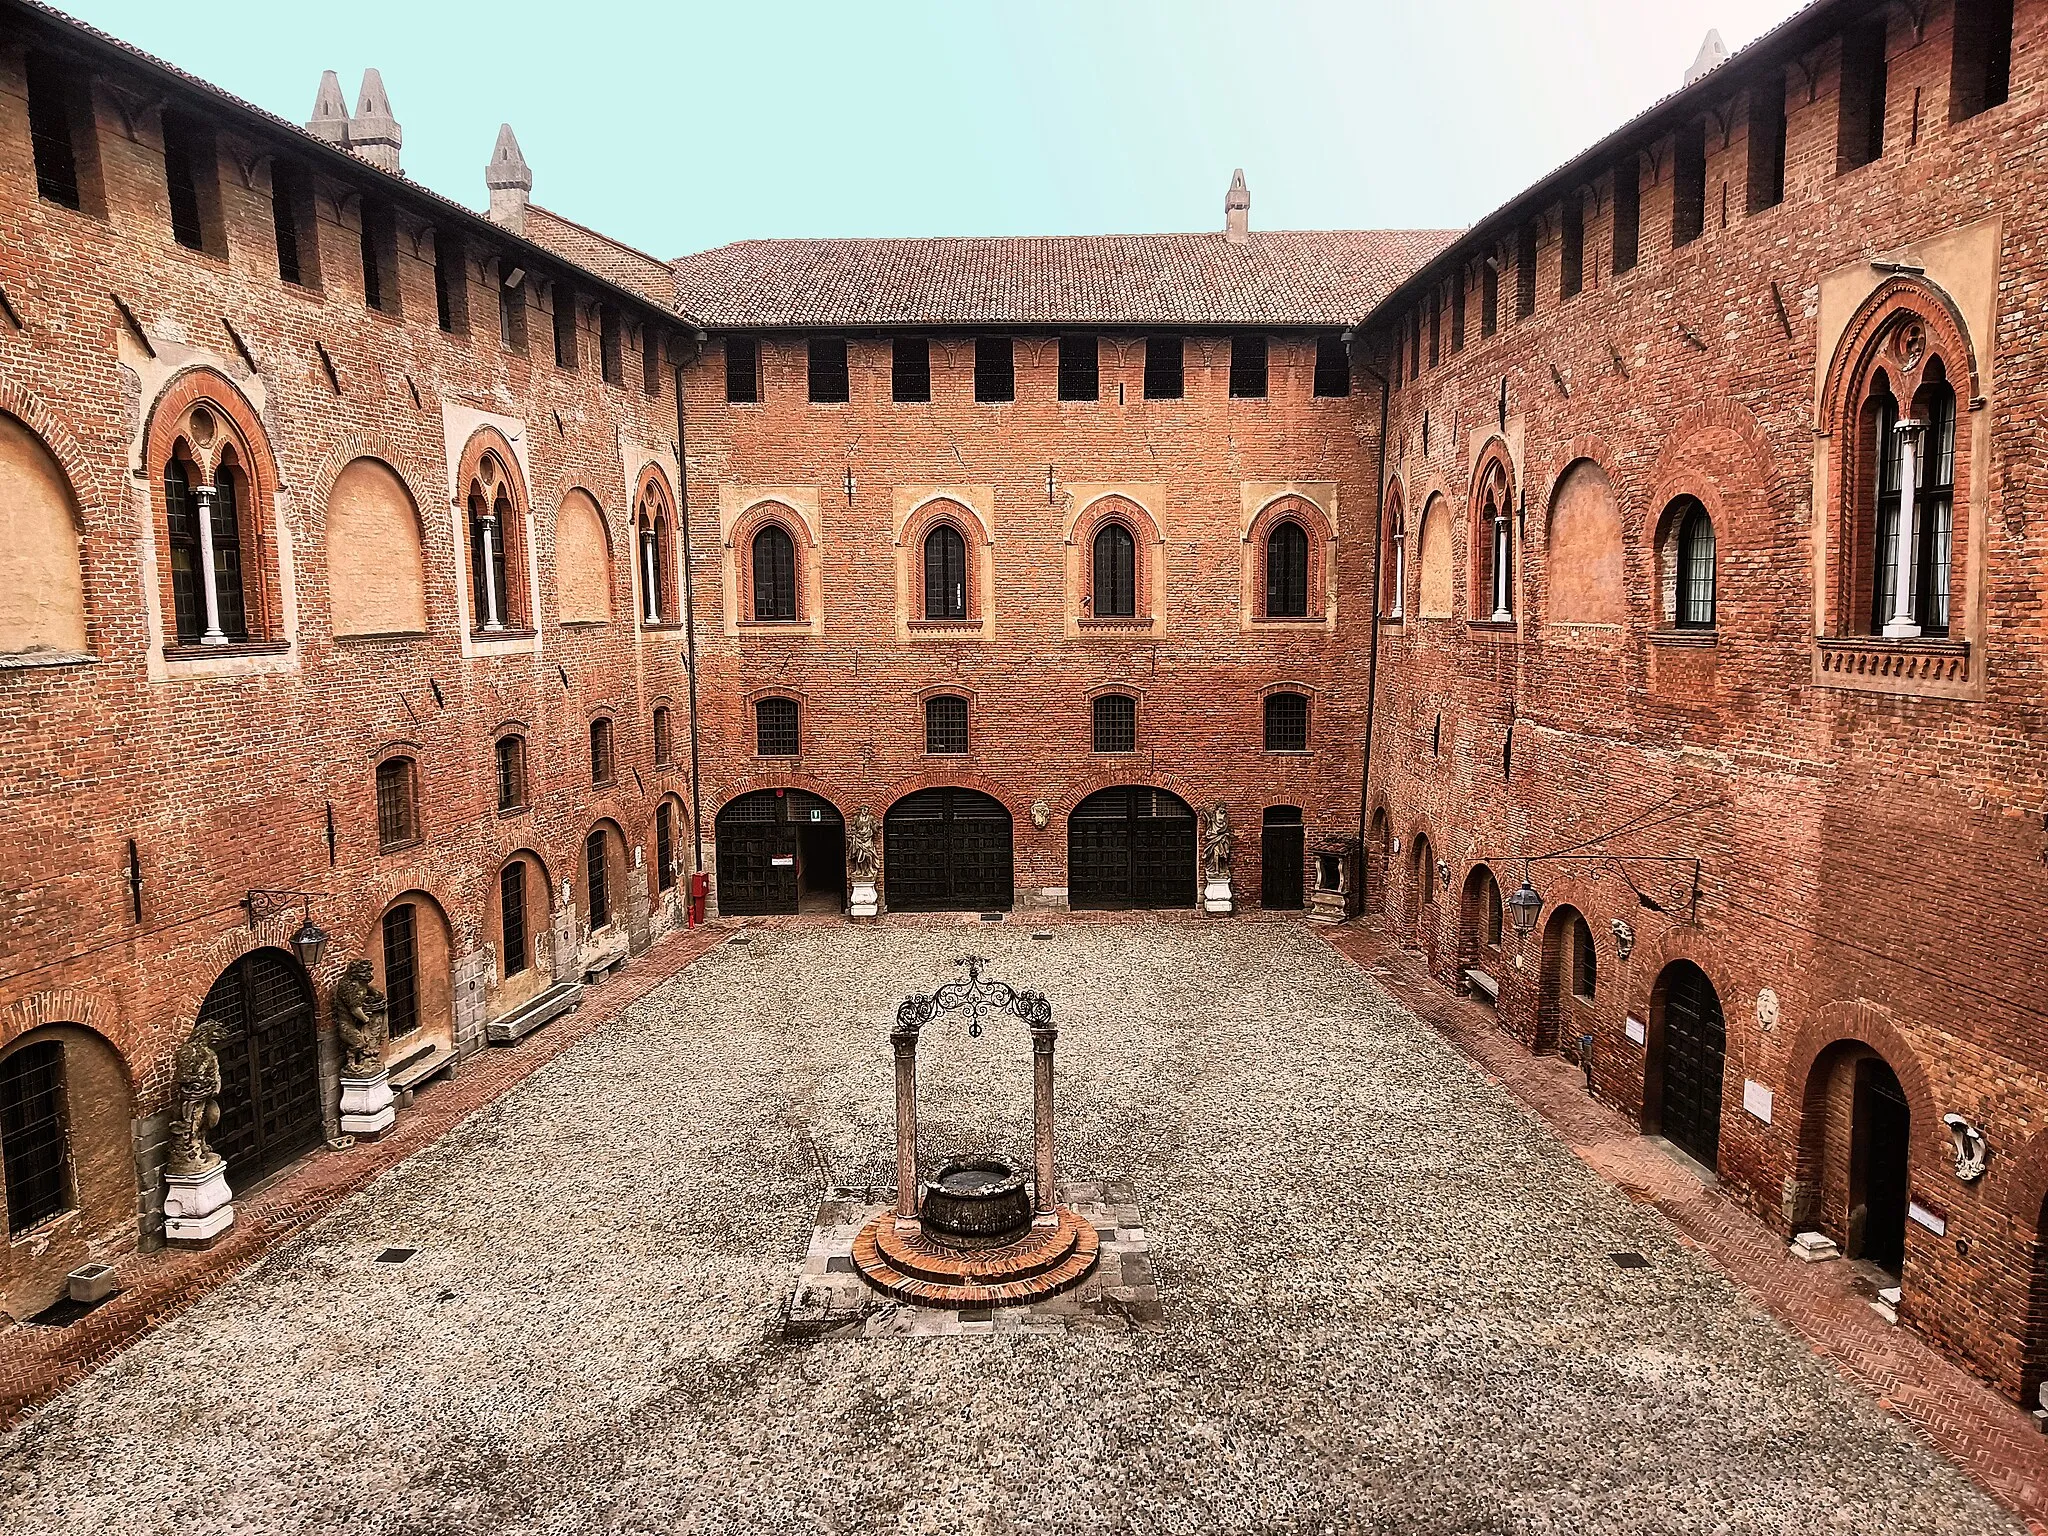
column 398, row 821
column 402, row 967
column 596, row 884
column 664, row 736
column 603, row 768
column 512, row 956
column 205, row 528
column 1585, row 960
column 1881, row 423
column 774, row 560
column 490, row 518
column 666, row 864
column 1493, row 546
column 511, row 773
column 657, row 555
column 1934, row 500
column 1287, row 571
column 1695, row 572
column 775, row 728
column 1394, row 560
column 1115, row 592
column 34, row 1139
column 945, row 573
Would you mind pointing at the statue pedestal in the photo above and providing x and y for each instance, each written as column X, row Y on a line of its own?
column 196, row 1206
column 366, row 1108
column 866, row 901
column 1216, row 896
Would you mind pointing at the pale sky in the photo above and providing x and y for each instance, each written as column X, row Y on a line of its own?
column 679, row 126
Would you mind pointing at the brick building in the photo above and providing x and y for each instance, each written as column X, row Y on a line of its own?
column 476, row 581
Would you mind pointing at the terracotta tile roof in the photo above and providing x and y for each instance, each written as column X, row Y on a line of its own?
column 1276, row 278
column 648, row 276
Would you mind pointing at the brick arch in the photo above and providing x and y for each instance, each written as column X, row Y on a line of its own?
column 80, row 1009
column 652, row 474
column 1854, row 354
column 940, row 507
column 201, row 968
column 88, row 485
column 719, row 796
column 1084, row 519
column 2026, row 1185
column 1315, row 522
column 1587, row 445
column 1171, row 780
column 1866, row 1023
column 1649, row 961
column 190, row 387
column 1691, row 461
column 938, row 778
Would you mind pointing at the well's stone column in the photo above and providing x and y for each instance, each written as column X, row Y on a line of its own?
column 1043, row 1213
column 904, row 1039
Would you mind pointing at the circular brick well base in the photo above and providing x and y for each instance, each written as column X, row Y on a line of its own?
column 910, row 1266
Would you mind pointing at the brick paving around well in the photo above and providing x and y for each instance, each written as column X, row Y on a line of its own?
column 36, row 1363
column 1996, row 1442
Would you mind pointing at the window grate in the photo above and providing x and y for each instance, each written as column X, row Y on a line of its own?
column 774, row 555
column 511, row 773
column 664, row 847
column 1115, row 587
column 829, row 381
column 33, row 1141
column 595, row 877
column 775, row 727
column 49, row 131
column 396, row 821
column 601, row 765
column 1333, row 367
column 995, row 370
column 183, row 149
column 1164, row 368
column 1696, row 570
column 1286, row 722
column 910, row 371
column 1080, row 368
column 1585, row 960
column 181, row 519
column 1248, row 367
column 402, row 968
column 1116, row 723
column 945, row 725
column 1287, row 572
column 742, row 370
column 945, row 574
column 512, row 917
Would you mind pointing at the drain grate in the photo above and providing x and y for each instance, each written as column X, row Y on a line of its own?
column 1629, row 1261
column 1041, row 934
column 396, row 1255
column 991, row 917
column 741, row 938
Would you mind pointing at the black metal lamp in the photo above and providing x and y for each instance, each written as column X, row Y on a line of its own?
column 310, row 943
column 1523, row 908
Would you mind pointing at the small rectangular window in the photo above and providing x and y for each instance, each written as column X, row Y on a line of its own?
column 565, row 325
column 284, row 218
column 1080, row 368
column 1163, row 368
column 1980, row 73
column 397, row 820
column 742, row 370
column 1116, row 723
column 192, row 178
column 1767, row 143
column 511, row 773
column 650, row 359
column 1525, row 272
column 1286, row 722
column 1859, row 123
column 451, row 284
column 1628, row 211
column 829, row 381
column 1489, row 296
column 1248, row 367
column 1436, row 327
column 380, row 258
column 611, row 345
column 945, row 726
column 602, row 768
column 910, row 371
column 995, row 370
column 1571, row 249
column 1333, row 367
column 775, row 728
column 664, row 745
column 61, row 136
column 1458, row 312
column 511, row 309
column 1688, row 183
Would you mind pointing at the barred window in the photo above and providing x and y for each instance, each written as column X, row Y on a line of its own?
column 1163, row 368
column 402, row 968
column 1080, row 368
column 1114, row 593
column 602, row 768
column 1696, row 570
column 1287, row 571
column 829, row 382
column 910, row 371
column 187, row 148
column 1116, row 723
column 397, row 804
column 995, row 369
column 742, row 370
column 774, row 560
column 1286, row 722
column 1585, row 960
column 1248, row 367
column 1333, row 362
column 945, row 725
column 33, row 1140
column 594, row 874
column 775, row 727
column 511, row 773
column 664, row 847
column 945, row 573
column 664, row 743
column 512, row 917
column 52, row 113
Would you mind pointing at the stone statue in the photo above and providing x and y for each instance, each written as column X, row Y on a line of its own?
column 1216, row 841
column 195, row 1107
column 863, row 859
column 361, row 1019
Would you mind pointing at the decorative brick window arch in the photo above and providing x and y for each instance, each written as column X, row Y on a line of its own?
column 1491, row 548
column 1128, row 570
column 753, row 544
column 493, row 502
column 1688, row 565
column 1900, row 390
column 214, row 483
column 940, row 593
column 1287, row 555
column 1394, row 555
column 654, row 549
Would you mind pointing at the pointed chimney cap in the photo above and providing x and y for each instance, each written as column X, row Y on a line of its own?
column 1239, row 195
column 508, row 167
column 330, row 111
column 374, row 134
column 1713, row 53
column 371, row 100
column 1237, row 209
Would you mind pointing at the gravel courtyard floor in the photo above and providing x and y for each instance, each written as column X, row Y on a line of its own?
column 1390, row 1302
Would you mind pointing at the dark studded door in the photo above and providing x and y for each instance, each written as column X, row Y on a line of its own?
column 262, row 1011
column 947, row 850
column 1280, row 856
column 756, row 857
column 1695, row 1043
column 1129, row 847
column 1880, row 1137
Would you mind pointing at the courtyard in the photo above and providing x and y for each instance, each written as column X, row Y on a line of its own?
column 1387, row 1299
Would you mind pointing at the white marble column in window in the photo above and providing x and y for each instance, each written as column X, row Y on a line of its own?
column 1502, row 614
column 649, row 586
column 214, row 635
column 1400, row 573
column 1901, row 625
column 490, row 531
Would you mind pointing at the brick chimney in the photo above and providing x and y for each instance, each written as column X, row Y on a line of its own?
column 373, row 133
column 510, row 180
column 1237, row 210
column 330, row 112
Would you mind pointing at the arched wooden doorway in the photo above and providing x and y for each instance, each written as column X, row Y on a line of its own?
column 1570, row 975
column 1687, row 1056
column 780, row 850
column 1880, row 1135
column 947, row 850
column 262, row 1012
column 1131, row 847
